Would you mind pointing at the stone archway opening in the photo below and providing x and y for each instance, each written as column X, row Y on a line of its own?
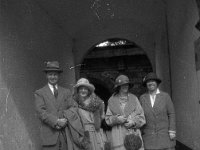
column 107, row 59
column 110, row 58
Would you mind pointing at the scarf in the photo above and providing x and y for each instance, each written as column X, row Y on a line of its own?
column 96, row 106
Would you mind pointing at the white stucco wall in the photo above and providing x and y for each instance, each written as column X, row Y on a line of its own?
column 28, row 37
column 182, row 17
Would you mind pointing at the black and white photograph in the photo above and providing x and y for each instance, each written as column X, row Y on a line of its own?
column 99, row 74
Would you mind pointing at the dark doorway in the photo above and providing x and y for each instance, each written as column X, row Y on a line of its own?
column 107, row 59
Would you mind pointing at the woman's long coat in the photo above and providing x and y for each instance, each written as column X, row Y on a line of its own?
column 132, row 110
column 160, row 119
column 91, row 116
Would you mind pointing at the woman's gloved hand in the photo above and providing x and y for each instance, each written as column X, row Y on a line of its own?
column 122, row 119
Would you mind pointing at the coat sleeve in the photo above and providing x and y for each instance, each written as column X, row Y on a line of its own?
column 171, row 114
column 70, row 101
column 102, row 110
column 111, row 119
column 138, row 115
column 44, row 115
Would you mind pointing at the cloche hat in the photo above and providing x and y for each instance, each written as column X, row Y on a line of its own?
column 84, row 82
column 121, row 80
column 151, row 76
column 53, row 66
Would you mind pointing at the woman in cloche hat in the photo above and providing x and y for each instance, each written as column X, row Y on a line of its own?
column 125, row 115
column 159, row 131
column 91, row 111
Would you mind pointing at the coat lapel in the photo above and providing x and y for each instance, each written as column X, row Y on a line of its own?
column 148, row 103
column 59, row 98
column 50, row 94
column 130, row 105
column 114, row 105
column 157, row 100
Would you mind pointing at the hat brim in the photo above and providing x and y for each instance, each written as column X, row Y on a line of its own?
column 130, row 85
column 53, row 70
column 156, row 79
column 89, row 86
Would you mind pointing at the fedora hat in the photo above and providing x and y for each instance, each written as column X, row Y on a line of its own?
column 84, row 82
column 53, row 66
column 121, row 80
column 151, row 76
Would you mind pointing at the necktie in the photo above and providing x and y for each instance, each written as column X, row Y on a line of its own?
column 55, row 91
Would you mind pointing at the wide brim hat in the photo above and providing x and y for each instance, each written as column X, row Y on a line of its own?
column 151, row 76
column 121, row 80
column 53, row 66
column 84, row 82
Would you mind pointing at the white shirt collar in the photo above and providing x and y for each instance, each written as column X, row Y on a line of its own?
column 157, row 91
column 153, row 97
column 51, row 87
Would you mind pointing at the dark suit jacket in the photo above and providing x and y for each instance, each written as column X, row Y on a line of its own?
column 159, row 120
column 50, row 109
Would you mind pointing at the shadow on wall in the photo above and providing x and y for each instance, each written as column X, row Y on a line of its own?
column 19, row 125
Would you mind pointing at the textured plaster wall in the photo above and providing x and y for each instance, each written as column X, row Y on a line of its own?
column 131, row 25
column 182, row 17
column 146, row 28
column 127, row 29
column 162, row 59
column 28, row 37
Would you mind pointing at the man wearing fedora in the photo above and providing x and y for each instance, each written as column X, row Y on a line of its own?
column 51, row 101
column 159, row 133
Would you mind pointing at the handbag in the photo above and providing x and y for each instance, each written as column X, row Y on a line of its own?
column 132, row 140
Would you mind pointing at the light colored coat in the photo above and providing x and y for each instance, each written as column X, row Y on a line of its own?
column 91, row 115
column 132, row 110
column 49, row 110
column 159, row 120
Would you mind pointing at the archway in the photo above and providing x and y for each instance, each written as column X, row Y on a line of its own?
column 107, row 59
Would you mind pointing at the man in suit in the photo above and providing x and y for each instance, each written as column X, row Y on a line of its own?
column 51, row 101
column 159, row 133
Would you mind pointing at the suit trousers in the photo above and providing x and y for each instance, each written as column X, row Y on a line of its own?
column 60, row 145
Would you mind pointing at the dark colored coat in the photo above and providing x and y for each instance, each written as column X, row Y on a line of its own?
column 75, row 131
column 49, row 110
column 159, row 120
